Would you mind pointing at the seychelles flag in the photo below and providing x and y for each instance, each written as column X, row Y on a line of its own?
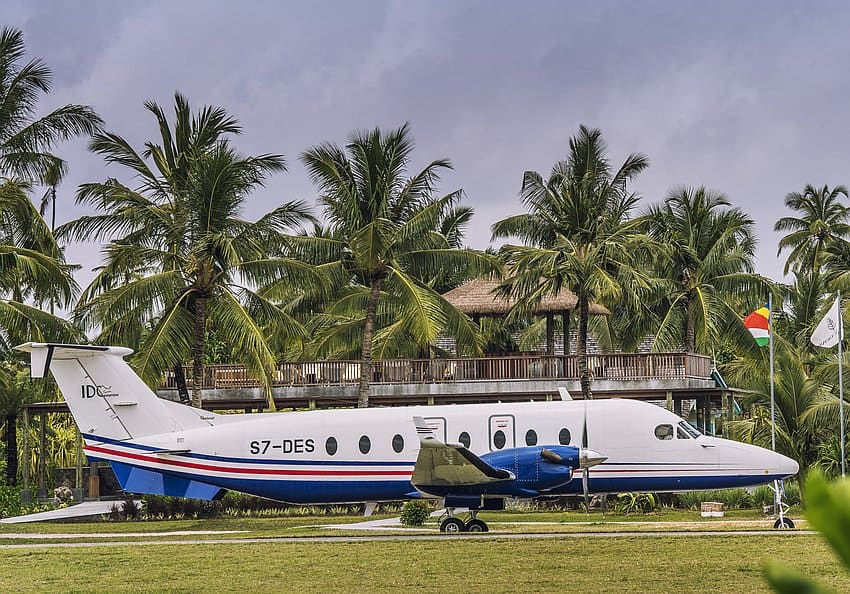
column 759, row 326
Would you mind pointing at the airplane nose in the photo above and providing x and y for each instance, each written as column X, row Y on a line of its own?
column 786, row 466
column 590, row 458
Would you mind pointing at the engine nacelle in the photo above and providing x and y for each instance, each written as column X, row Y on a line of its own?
column 536, row 468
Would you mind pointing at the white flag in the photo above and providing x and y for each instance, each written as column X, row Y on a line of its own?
column 826, row 334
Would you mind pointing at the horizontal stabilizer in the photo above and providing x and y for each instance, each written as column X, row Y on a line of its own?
column 139, row 480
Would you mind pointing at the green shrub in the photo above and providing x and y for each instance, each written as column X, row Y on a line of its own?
column 633, row 503
column 10, row 502
column 731, row 498
column 763, row 495
column 415, row 512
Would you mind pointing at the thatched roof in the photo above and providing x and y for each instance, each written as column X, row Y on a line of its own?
column 479, row 297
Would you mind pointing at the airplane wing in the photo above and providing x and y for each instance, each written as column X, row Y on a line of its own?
column 444, row 465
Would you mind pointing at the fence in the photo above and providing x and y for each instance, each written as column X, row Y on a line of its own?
column 417, row 371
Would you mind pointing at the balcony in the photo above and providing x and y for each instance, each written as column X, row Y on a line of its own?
column 427, row 381
column 615, row 367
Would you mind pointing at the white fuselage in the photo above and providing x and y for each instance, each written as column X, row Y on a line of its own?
column 291, row 456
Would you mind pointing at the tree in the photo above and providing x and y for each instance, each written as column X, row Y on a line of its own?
column 702, row 273
column 823, row 220
column 24, row 142
column 578, row 235
column 803, row 403
column 384, row 245
column 32, row 268
column 185, row 262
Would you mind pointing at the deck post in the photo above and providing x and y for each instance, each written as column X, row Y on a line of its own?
column 26, row 494
column 78, row 475
column 42, row 453
column 669, row 400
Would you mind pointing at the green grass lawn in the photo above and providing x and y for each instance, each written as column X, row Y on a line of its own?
column 589, row 564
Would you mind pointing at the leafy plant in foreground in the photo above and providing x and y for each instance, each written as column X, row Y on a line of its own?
column 828, row 511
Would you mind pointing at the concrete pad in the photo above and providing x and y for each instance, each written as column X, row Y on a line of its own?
column 81, row 510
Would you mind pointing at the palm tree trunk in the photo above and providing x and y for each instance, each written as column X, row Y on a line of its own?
column 550, row 333
column 11, row 442
column 581, row 347
column 366, row 345
column 690, row 333
column 200, row 307
column 180, row 380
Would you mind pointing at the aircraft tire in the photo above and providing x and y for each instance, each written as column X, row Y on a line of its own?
column 452, row 526
column 783, row 524
column 477, row 525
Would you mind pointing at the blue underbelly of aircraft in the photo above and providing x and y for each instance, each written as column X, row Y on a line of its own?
column 141, row 480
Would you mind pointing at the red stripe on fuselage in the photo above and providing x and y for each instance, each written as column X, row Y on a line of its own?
column 271, row 471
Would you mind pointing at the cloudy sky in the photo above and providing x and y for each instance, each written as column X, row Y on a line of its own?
column 748, row 98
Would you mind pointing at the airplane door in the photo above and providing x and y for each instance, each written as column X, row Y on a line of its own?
column 438, row 426
column 502, row 432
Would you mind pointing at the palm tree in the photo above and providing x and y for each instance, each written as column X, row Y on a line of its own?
column 706, row 266
column 186, row 262
column 384, row 245
column 578, row 235
column 25, row 143
column 805, row 409
column 52, row 178
column 823, row 220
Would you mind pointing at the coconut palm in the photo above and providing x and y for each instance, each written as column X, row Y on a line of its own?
column 702, row 274
column 823, row 220
column 806, row 410
column 25, row 142
column 185, row 261
column 385, row 245
column 578, row 235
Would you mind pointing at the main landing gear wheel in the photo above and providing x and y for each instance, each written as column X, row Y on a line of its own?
column 452, row 526
column 475, row 525
column 783, row 524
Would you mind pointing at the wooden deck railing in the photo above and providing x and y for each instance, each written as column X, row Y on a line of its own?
column 640, row 366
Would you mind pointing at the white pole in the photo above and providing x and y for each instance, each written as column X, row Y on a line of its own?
column 841, row 378
column 772, row 401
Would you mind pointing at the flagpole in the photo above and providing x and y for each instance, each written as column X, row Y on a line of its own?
column 841, row 379
column 772, row 401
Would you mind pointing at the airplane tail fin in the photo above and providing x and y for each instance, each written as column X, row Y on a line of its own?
column 105, row 396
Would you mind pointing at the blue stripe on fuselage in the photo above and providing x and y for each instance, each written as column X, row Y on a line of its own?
column 347, row 491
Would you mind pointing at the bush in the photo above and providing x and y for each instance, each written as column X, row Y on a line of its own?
column 731, row 498
column 415, row 512
column 10, row 502
column 763, row 495
column 632, row 503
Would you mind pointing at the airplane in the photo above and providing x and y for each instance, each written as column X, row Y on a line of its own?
column 472, row 456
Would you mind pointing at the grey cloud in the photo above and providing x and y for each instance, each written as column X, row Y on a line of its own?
column 747, row 98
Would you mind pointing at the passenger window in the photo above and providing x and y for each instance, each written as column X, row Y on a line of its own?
column 681, row 433
column 564, row 436
column 330, row 446
column 464, row 439
column 664, row 432
column 398, row 443
column 365, row 444
column 499, row 439
column 531, row 437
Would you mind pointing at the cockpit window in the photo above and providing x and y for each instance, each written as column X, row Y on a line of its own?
column 664, row 431
column 681, row 433
column 689, row 429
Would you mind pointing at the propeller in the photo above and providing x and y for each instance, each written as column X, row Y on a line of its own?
column 587, row 458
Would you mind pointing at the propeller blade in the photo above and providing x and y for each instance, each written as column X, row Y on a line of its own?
column 585, row 485
column 584, row 428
